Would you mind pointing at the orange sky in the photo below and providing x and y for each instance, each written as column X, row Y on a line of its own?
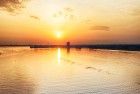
column 78, row 21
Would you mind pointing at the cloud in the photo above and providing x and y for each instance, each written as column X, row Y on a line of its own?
column 11, row 5
column 68, row 9
column 136, row 12
column 67, row 13
column 35, row 17
column 105, row 28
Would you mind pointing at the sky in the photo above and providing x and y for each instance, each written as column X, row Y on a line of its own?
column 78, row 21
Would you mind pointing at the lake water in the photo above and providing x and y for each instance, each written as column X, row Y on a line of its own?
column 68, row 71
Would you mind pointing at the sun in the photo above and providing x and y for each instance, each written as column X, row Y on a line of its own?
column 58, row 34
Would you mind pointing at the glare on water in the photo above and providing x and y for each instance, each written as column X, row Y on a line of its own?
column 68, row 71
column 59, row 55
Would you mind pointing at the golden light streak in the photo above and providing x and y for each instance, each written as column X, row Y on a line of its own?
column 59, row 55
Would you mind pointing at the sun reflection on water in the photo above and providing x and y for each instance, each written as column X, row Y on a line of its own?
column 59, row 55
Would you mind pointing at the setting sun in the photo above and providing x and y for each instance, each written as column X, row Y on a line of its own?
column 58, row 34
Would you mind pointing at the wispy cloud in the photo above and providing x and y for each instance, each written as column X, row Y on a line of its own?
column 66, row 12
column 34, row 17
column 11, row 5
column 68, row 9
column 136, row 12
column 105, row 28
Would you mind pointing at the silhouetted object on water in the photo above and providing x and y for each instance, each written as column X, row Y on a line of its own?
column 68, row 47
column 68, row 44
column 128, row 47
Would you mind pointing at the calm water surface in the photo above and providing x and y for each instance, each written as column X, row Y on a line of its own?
column 68, row 71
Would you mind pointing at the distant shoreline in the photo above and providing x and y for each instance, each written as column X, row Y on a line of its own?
column 128, row 47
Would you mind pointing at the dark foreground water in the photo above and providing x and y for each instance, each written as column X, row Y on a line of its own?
column 68, row 71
